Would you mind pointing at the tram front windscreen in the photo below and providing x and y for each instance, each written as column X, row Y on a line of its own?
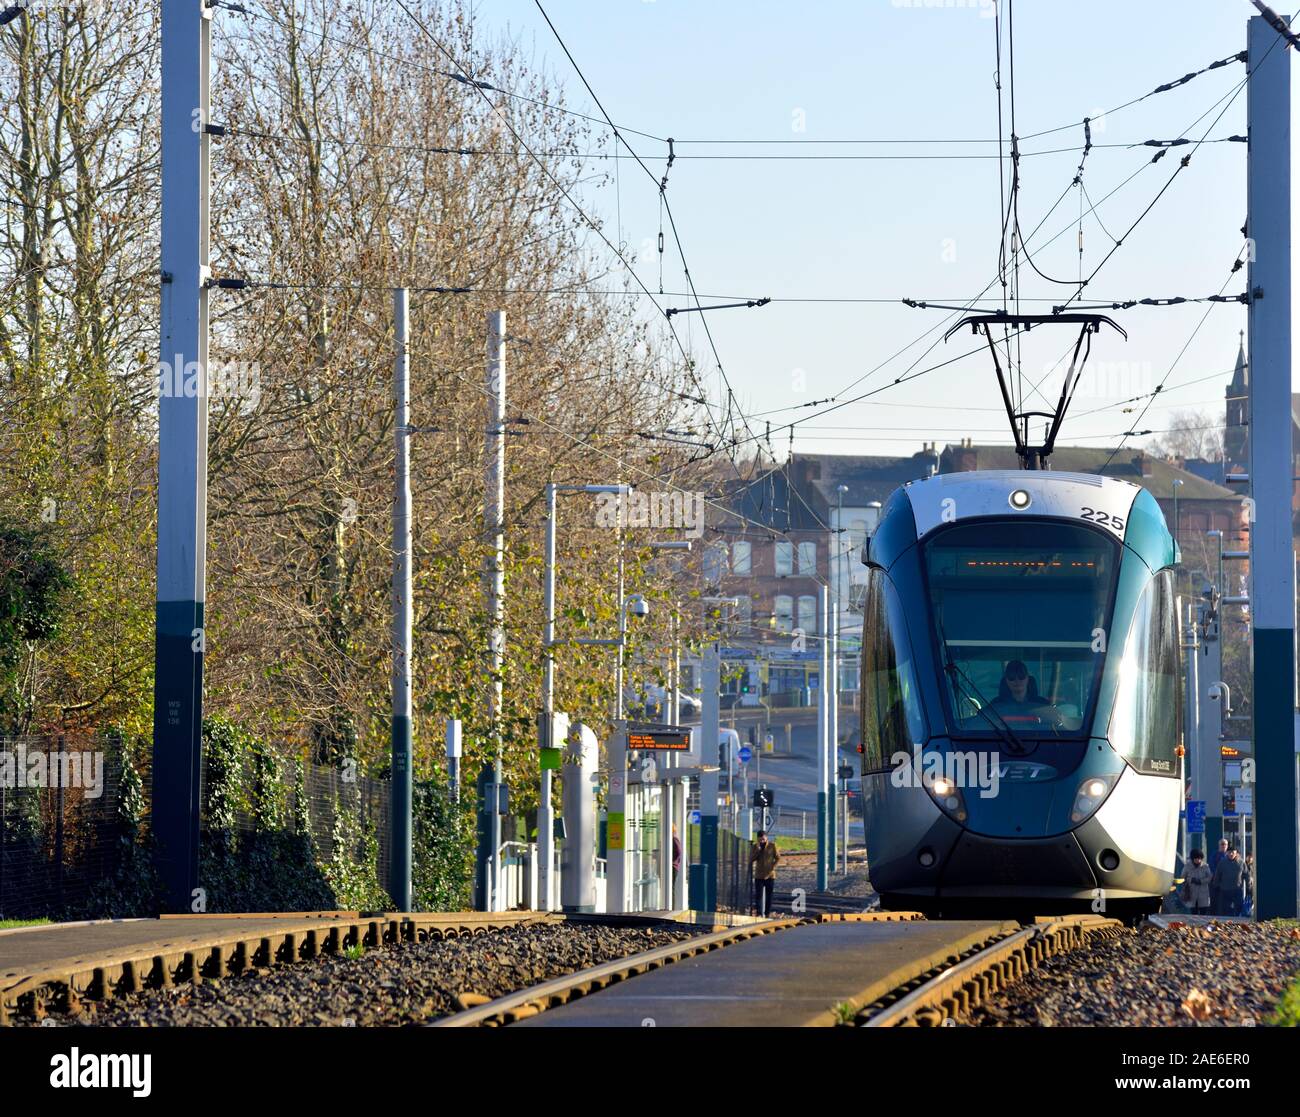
column 1020, row 610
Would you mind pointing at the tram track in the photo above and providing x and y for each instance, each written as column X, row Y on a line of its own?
column 955, row 988
column 872, row 969
column 550, row 994
column 952, row 967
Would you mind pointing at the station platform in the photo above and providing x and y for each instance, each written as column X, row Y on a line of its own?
column 791, row 979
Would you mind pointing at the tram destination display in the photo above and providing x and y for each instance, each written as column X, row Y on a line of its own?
column 655, row 736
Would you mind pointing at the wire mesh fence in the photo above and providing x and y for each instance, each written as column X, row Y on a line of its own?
column 69, row 824
column 275, row 833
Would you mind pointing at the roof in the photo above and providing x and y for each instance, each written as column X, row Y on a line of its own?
column 1127, row 465
column 865, row 477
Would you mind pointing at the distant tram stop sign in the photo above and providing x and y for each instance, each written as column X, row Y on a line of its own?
column 846, row 771
column 746, row 754
column 764, row 797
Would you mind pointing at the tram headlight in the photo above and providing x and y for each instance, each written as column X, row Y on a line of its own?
column 1091, row 794
column 1019, row 500
column 947, row 795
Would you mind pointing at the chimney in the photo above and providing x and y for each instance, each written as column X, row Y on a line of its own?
column 1143, row 463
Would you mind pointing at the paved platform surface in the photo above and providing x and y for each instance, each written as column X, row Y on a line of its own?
column 29, row 949
column 56, row 946
column 788, row 979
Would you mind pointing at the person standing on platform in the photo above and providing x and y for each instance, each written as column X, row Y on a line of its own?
column 764, row 857
column 1219, row 854
column 1226, row 885
column 1196, row 885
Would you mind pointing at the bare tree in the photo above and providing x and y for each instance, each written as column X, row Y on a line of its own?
column 1192, row 436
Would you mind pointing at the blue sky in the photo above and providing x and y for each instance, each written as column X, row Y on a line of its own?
column 921, row 228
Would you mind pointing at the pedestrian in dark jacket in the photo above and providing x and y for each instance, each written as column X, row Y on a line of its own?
column 763, row 858
column 1226, row 884
column 1219, row 854
column 1196, row 885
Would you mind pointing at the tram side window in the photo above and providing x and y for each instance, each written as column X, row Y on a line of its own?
column 1147, row 721
column 891, row 703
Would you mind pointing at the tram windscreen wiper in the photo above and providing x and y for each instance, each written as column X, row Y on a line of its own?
column 985, row 708
column 982, row 706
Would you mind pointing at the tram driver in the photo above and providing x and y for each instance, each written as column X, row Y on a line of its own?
column 1018, row 694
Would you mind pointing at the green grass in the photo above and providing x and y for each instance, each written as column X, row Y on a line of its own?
column 796, row 845
column 845, row 1012
column 1287, row 1013
column 6, row 924
column 354, row 952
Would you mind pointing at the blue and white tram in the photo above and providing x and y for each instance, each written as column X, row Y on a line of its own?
column 1021, row 713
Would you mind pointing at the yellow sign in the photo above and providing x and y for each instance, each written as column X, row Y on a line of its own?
column 614, row 826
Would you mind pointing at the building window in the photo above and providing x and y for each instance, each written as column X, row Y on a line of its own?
column 857, row 534
column 715, row 563
column 744, row 612
column 741, row 558
column 807, row 559
column 783, row 609
column 784, row 558
column 808, row 613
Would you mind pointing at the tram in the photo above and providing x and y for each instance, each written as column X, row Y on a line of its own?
column 1021, row 712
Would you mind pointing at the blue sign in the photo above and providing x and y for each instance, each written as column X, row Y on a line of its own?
column 695, row 818
column 1196, row 816
column 746, row 754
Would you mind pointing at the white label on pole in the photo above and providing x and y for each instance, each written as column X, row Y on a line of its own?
column 1245, row 799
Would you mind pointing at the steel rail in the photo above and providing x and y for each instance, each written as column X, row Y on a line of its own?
column 550, row 994
column 953, row 990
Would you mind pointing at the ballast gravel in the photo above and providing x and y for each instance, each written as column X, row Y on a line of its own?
column 406, row 984
column 1221, row 974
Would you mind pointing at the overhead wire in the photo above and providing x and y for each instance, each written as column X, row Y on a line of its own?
column 661, row 184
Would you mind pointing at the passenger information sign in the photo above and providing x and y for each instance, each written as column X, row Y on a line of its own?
column 656, row 736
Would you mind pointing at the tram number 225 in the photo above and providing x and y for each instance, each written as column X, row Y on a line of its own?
column 1103, row 518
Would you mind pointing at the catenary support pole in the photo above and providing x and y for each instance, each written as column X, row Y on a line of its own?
column 1272, row 559
column 823, row 734
column 399, row 885
column 545, row 811
column 182, row 453
column 493, row 516
column 1207, row 771
column 710, row 715
column 1192, row 694
column 833, row 708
